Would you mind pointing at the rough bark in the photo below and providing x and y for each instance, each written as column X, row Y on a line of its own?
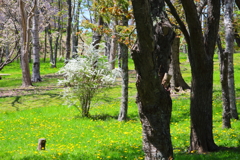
column 25, row 23
column 201, row 60
column 177, row 81
column 151, row 58
column 229, row 38
column 69, row 30
column 35, row 42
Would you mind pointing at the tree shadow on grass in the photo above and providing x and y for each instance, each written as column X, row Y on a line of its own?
column 231, row 153
column 16, row 101
column 112, row 151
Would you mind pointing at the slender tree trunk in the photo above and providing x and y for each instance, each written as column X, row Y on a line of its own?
column 229, row 38
column 177, row 81
column 56, row 46
column 35, row 41
column 69, row 30
column 25, row 23
column 151, row 62
column 45, row 44
column 123, row 57
column 49, row 31
column 96, row 39
column 201, row 60
column 76, row 28
column 113, row 49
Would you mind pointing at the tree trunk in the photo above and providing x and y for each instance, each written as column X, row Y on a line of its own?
column 96, row 39
column 113, row 49
column 25, row 23
column 177, row 81
column 151, row 61
column 35, row 41
column 76, row 28
column 50, row 43
column 45, row 44
column 229, row 38
column 201, row 60
column 69, row 30
column 223, row 65
column 123, row 57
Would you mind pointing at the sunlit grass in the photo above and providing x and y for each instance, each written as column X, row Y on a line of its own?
column 26, row 118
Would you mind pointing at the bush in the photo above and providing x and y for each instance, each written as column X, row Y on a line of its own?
column 85, row 76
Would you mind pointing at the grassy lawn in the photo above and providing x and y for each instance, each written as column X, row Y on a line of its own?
column 39, row 113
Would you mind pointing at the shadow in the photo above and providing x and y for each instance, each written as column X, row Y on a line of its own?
column 113, row 152
column 103, row 117
column 16, row 101
column 223, row 153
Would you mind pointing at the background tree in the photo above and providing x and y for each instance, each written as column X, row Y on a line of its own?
column 25, row 29
column 69, row 30
column 35, row 42
column 177, row 81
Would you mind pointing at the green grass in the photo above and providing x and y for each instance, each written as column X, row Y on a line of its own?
column 39, row 113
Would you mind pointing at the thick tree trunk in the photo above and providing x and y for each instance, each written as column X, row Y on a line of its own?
column 201, row 60
column 151, row 58
column 229, row 38
column 25, row 23
column 69, row 30
column 35, row 41
column 177, row 81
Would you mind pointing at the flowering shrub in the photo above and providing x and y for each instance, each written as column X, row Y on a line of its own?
column 84, row 77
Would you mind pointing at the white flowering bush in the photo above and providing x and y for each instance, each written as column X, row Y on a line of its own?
column 84, row 77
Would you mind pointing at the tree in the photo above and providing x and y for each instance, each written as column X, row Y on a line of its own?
column 75, row 28
column 35, row 41
column 201, row 51
column 228, row 17
column 25, row 26
column 69, row 30
column 123, row 57
column 177, row 81
column 151, row 58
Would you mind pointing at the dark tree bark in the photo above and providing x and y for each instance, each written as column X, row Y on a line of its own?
column 177, row 81
column 69, row 30
column 201, row 60
column 151, row 57
column 36, row 47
